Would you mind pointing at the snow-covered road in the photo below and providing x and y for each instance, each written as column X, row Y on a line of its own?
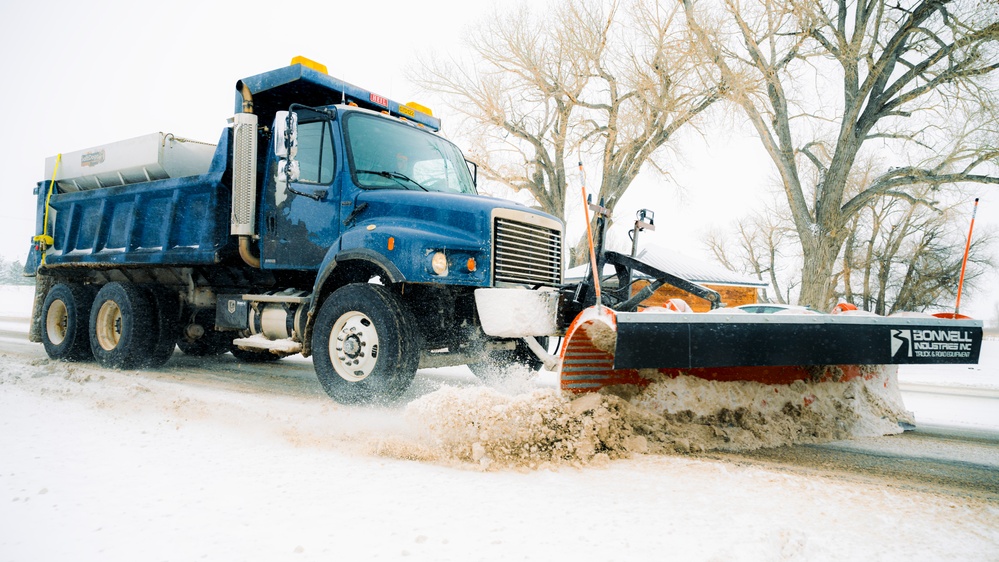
column 133, row 468
column 218, row 463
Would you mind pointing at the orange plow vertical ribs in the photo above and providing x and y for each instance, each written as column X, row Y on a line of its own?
column 588, row 354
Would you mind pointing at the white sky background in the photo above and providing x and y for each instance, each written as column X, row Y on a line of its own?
column 79, row 74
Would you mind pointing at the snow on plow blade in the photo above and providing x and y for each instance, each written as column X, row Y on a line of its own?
column 605, row 348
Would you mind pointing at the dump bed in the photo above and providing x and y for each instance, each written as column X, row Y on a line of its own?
column 174, row 221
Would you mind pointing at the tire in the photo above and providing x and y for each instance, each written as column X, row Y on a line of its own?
column 166, row 315
column 496, row 365
column 122, row 328
column 366, row 345
column 247, row 356
column 65, row 322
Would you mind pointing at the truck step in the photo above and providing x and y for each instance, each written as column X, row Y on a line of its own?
column 282, row 347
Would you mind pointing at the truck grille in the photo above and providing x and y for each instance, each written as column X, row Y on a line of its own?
column 526, row 254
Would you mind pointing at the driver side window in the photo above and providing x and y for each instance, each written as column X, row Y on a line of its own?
column 315, row 152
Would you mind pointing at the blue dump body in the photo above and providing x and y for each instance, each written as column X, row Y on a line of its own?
column 177, row 221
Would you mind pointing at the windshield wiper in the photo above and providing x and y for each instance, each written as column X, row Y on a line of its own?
column 395, row 176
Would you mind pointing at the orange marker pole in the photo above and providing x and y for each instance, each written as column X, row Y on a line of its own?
column 964, row 263
column 589, row 236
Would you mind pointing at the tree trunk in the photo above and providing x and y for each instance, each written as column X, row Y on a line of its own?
column 820, row 254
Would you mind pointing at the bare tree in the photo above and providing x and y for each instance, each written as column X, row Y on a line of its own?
column 519, row 92
column 829, row 82
column 900, row 254
column 581, row 80
column 759, row 245
column 910, row 255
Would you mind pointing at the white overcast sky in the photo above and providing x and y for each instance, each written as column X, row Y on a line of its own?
column 79, row 74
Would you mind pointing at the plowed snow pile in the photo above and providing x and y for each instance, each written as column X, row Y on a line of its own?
column 546, row 428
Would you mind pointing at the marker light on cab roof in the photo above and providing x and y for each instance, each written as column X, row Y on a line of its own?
column 309, row 63
column 419, row 107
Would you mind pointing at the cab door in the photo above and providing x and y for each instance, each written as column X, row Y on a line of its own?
column 302, row 218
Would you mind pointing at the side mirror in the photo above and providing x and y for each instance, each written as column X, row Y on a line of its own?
column 285, row 139
column 288, row 171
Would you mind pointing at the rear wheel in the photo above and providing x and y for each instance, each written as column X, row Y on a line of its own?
column 366, row 344
column 166, row 317
column 122, row 329
column 66, row 314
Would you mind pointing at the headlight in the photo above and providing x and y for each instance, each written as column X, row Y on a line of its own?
column 439, row 263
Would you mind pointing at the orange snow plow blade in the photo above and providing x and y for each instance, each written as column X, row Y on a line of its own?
column 606, row 348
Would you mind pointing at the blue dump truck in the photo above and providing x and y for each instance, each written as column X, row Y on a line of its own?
column 333, row 222
column 328, row 221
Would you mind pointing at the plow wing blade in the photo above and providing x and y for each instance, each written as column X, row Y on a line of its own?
column 605, row 348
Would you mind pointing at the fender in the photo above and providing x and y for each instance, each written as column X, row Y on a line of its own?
column 329, row 264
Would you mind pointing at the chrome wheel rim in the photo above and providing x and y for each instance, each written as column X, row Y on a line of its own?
column 353, row 346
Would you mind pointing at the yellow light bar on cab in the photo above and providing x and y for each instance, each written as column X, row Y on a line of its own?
column 309, row 63
column 418, row 107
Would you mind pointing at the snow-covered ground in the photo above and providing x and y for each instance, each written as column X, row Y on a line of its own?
column 15, row 300
column 218, row 464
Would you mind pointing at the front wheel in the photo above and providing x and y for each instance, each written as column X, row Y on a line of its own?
column 366, row 344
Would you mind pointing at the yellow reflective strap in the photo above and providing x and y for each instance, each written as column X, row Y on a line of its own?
column 44, row 237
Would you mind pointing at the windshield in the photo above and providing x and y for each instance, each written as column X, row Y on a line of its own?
column 386, row 154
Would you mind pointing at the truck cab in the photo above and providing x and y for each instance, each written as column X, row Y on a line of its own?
column 366, row 189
